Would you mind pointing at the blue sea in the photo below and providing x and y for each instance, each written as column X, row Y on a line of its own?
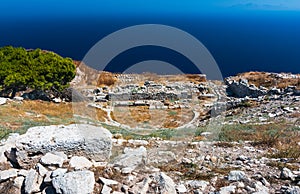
column 239, row 42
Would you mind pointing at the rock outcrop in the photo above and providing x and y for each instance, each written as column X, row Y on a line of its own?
column 242, row 89
column 82, row 140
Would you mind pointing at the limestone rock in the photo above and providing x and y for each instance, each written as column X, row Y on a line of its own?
column 227, row 190
column 61, row 154
column 50, row 159
column 194, row 184
column 117, row 192
column 59, row 172
column 81, row 182
column 287, row 174
column 181, row 188
column 80, row 162
column 260, row 188
column 32, row 182
column 242, row 158
column 18, row 182
column 242, row 89
column 141, row 187
column 166, row 184
column 108, row 182
column 84, row 140
column 106, row 189
column 7, row 174
column 48, row 178
column 236, row 175
column 293, row 190
column 131, row 159
column 18, row 98
column 41, row 169
column 23, row 173
column 7, row 148
column 57, row 100
column 3, row 101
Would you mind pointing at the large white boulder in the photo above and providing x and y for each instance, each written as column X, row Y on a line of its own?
column 82, row 140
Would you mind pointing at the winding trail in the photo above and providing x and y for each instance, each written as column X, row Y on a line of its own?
column 191, row 123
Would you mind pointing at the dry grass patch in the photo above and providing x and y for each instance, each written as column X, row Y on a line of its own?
column 195, row 78
column 48, row 108
column 178, row 117
column 267, row 135
column 281, row 165
column 224, row 144
column 286, row 150
column 131, row 116
column 295, row 115
column 82, row 109
column 106, row 79
column 192, row 171
column 188, row 171
column 19, row 116
column 11, row 109
column 221, row 182
column 282, row 136
column 142, row 115
column 268, row 80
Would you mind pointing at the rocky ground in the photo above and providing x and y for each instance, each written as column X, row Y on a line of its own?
column 255, row 151
column 67, row 161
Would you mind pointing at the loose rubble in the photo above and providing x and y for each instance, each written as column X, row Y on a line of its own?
column 223, row 170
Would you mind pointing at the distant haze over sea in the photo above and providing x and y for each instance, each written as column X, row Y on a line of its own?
column 239, row 41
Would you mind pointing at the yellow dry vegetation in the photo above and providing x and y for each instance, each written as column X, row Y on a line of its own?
column 106, row 79
column 268, row 79
column 161, row 118
column 48, row 108
column 15, row 115
column 195, row 78
column 82, row 109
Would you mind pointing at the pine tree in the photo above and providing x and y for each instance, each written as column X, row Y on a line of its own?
column 21, row 69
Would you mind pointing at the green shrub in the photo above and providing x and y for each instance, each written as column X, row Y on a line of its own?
column 21, row 69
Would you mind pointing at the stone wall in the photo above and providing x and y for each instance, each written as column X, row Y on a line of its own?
column 143, row 96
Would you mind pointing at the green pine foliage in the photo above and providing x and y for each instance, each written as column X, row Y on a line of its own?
column 21, row 69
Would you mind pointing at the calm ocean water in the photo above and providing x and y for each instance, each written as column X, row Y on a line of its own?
column 263, row 41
